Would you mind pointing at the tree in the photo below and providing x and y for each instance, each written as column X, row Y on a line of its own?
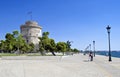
column 41, row 45
column 46, row 44
column 68, row 45
column 45, row 34
column 3, row 45
column 20, row 42
column 75, row 50
column 25, row 48
column 52, row 46
column 32, row 46
column 61, row 47
column 16, row 34
column 15, row 42
column 9, row 42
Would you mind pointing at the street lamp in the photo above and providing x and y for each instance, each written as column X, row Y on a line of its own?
column 94, row 47
column 108, row 30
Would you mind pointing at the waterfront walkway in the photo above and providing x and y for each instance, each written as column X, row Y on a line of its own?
column 65, row 66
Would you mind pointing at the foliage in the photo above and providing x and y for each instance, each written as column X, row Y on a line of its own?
column 32, row 46
column 61, row 47
column 68, row 45
column 9, row 42
column 15, row 42
column 46, row 44
column 75, row 50
column 3, row 45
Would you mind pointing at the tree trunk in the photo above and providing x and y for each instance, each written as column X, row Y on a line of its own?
column 42, row 53
column 63, row 53
column 53, row 53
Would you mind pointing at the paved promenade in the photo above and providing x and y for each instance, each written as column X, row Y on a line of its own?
column 66, row 66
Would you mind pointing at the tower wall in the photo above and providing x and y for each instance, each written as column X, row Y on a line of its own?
column 31, row 31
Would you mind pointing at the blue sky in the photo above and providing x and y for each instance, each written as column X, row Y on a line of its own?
column 80, row 21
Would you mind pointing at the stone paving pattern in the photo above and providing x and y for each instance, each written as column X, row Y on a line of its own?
column 62, row 66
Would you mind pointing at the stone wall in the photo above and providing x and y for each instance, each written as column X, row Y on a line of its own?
column 31, row 31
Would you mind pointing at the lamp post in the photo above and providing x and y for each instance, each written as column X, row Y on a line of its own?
column 90, row 47
column 94, row 47
column 108, row 30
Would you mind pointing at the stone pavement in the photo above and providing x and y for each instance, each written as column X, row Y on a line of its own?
column 65, row 66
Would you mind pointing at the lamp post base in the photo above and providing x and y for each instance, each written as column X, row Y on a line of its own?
column 110, row 59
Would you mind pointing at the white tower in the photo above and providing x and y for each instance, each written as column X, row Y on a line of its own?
column 31, row 31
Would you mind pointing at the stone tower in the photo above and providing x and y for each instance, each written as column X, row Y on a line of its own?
column 31, row 31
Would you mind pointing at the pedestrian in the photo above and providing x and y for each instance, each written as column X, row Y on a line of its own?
column 91, row 56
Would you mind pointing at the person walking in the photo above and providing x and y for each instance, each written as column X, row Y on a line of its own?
column 91, row 56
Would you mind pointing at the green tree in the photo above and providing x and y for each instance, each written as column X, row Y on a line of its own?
column 19, row 42
column 46, row 44
column 31, row 46
column 25, row 48
column 61, row 47
column 9, row 42
column 3, row 45
column 16, row 34
column 75, row 50
column 41, row 45
column 52, row 46
column 68, row 45
column 15, row 42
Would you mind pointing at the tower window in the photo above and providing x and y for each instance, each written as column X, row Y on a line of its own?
column 27, row 40
column 36, row 34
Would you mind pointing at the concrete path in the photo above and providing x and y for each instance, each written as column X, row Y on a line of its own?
column 66, row 66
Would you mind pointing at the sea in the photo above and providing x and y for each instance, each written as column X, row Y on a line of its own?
column 113, row 53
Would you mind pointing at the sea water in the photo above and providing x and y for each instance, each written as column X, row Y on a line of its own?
column 113, row 53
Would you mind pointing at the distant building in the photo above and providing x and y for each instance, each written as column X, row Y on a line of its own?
column 31, row 31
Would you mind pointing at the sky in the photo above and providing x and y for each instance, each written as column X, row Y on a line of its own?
column 79, row 21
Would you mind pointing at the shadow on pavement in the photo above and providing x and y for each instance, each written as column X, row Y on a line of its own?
column 85, row 60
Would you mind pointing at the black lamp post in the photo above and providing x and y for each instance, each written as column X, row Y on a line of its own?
column 94, row 47
column 108, row 30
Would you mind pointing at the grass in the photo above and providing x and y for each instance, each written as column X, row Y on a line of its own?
column 8, row 54
column 26, row 54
